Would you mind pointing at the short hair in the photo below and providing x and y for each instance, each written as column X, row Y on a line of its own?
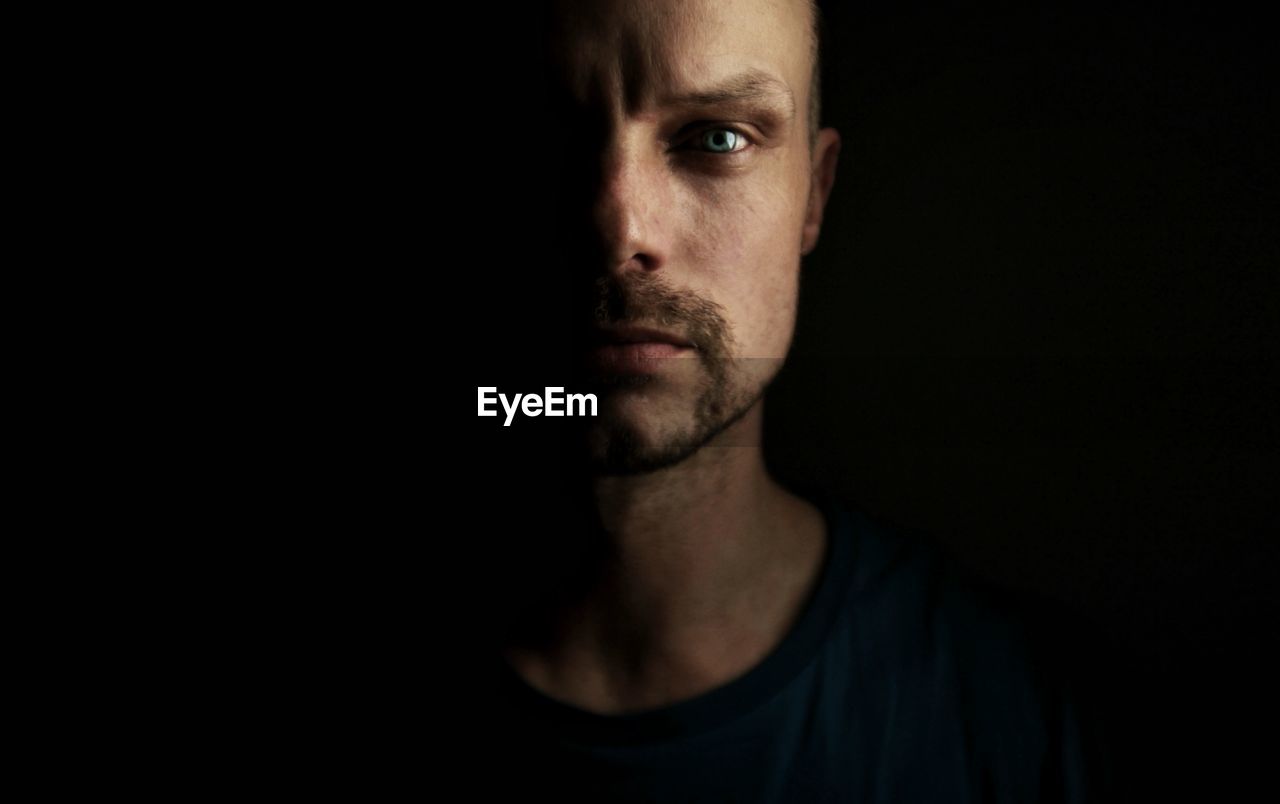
column 817, row 31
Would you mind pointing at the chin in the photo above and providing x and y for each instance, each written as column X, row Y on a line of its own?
column 621, row 455
column 635, row 434
column 630, row 436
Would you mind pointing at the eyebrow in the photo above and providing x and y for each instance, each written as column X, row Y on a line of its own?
column 753, row 85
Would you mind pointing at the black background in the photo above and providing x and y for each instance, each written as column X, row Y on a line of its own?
column 1039, row 324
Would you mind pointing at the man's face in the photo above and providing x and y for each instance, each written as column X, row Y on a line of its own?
column 689, row 121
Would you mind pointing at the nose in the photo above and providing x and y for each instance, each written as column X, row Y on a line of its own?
column 631, row 207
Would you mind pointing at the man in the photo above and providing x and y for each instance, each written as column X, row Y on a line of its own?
column 717, row 636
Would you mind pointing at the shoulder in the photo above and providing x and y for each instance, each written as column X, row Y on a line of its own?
column 912, row 582
column 1009, row 679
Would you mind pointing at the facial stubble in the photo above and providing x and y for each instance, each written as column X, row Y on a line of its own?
column 620, row 446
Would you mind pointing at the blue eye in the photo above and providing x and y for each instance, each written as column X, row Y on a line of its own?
column 721, row 140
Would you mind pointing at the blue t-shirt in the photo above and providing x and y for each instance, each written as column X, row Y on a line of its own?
column 903, row 679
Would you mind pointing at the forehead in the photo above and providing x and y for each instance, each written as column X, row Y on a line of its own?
column 636, row 52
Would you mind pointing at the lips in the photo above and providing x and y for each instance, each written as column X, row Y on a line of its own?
column 635, row 350
column 605, row 336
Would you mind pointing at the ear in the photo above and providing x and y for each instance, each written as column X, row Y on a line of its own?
column 825, row 153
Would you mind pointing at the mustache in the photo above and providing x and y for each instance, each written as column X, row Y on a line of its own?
column 648, row 299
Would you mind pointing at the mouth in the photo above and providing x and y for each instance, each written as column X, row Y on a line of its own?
column 611, row 336
column 635, row 350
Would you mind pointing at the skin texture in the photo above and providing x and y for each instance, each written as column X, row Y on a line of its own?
column 703, row 244
column 701, row 188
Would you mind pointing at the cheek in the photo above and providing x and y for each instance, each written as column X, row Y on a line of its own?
column 742, row 249
column 717, row 219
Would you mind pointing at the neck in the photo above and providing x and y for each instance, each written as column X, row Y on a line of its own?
column 703, row 569
column 683, row 541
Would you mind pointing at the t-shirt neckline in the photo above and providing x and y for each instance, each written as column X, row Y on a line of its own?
column 730, row 700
